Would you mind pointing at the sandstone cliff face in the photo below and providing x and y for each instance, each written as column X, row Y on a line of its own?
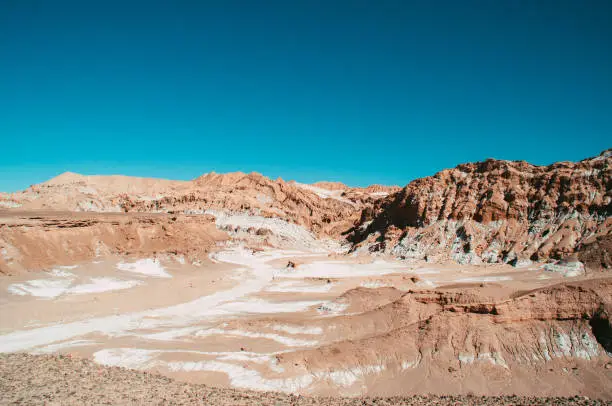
column 41, row 240
column 496, row 211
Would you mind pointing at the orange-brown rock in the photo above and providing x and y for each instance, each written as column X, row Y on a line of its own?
column 327, row 209
column 496, row 211
column 38, row 240
column 429, row 335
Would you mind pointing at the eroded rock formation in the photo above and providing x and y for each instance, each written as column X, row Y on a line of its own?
column 452, row 335
column 35, row 241
column 326, row 209
column 496, row 211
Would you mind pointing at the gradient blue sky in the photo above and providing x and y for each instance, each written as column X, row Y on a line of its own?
column 357, row 91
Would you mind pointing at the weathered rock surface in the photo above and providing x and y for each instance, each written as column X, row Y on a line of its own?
column 38, row 240
column 551, row 334
column 326, row 209
column 497, row 211
column 491, row 211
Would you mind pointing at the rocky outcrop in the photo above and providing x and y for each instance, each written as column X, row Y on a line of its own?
column 456, row 337
column 35, row 241
column 326, row 209
column 497, row 211
column 492, row 211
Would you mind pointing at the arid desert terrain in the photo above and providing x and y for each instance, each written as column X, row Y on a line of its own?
column 488, row 279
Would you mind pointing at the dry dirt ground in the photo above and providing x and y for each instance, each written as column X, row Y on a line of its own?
column 327, row 327
column 175, row 296
column 62, row 380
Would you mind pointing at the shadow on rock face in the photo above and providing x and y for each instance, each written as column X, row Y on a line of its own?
column 602, row 330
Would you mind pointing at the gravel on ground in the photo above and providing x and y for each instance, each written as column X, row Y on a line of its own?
column 64, row 380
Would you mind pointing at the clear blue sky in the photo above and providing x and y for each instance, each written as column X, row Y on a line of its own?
column 357, row 91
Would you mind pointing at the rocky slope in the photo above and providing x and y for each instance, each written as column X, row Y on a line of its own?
column 39, row 240
column 522, row 344
column 498, row 211
column 326, row 209
column 492, row 211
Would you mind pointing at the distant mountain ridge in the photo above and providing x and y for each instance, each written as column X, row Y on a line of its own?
column 485, row 212
column 321, row 210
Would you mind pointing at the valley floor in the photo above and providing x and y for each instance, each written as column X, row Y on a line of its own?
column 304, row 320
